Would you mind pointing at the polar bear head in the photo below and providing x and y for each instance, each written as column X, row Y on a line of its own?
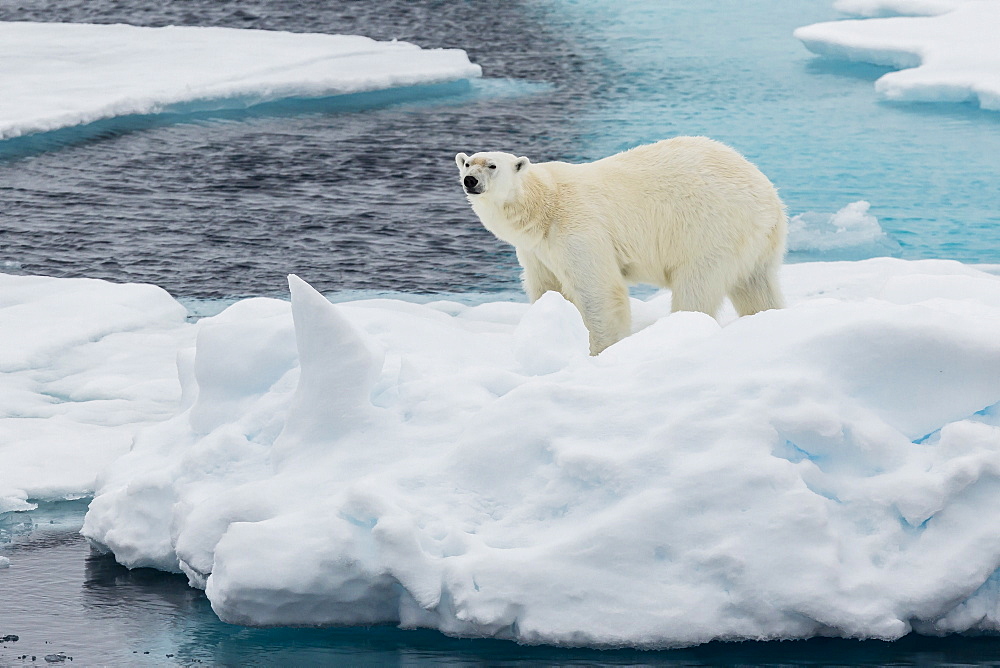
column 492, row 173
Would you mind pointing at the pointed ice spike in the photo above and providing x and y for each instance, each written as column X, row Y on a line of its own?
column 339, row 365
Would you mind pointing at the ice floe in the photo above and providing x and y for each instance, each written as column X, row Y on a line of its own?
column 55, row 75
column 883, row 8
column 832, row 468
column 947, row 53
column 83, row 364
column 852, row 233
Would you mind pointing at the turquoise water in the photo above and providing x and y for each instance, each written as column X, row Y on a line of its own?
column 731, row 70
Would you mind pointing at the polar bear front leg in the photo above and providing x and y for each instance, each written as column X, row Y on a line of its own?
column 593, row 282
column 537, row 279
column 606, row 313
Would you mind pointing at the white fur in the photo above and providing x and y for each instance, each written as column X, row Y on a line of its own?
column 687, row 213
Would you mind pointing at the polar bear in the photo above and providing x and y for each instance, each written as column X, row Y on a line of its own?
column 687, row 213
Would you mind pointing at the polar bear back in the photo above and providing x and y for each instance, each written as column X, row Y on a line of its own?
column 671, row 204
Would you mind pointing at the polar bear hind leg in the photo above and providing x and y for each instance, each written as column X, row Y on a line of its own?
column 759, row 291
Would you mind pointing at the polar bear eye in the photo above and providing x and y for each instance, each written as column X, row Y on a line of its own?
column 466, row 165
column 493, row 166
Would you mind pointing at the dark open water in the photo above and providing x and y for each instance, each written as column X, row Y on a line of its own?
column 360, row 194
column 228, row 204
column 58, row 597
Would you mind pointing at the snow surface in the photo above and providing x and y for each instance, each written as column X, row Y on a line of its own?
column 948, row 55
column 55, row 75
column 832, row 468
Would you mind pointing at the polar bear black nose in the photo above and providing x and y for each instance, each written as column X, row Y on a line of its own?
column 470, row 182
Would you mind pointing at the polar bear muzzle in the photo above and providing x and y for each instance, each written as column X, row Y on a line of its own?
column 472, row 185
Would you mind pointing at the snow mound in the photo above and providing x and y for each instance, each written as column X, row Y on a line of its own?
column 56, row 75
column 851, row 233
column 832, row 468
column 83, row 364
column 950, row 56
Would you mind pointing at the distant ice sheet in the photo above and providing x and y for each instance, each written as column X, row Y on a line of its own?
column 881, row 8
column 832, row 468
column 948, row 53
column 54, row 75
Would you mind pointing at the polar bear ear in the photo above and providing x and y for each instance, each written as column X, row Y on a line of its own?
column 521, row 163
column 460, row 160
